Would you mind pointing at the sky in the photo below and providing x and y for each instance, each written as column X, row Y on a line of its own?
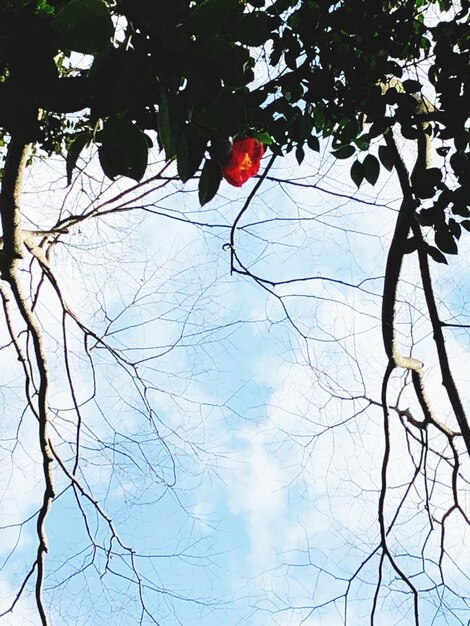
column 230, row 432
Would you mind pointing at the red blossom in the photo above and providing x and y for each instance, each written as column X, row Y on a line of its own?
column 244, row 161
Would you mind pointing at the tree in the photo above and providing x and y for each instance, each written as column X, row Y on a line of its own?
column 181, row 75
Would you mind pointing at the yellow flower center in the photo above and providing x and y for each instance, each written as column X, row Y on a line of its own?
column 246, row 163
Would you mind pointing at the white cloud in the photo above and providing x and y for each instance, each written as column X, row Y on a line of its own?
column 257, row 492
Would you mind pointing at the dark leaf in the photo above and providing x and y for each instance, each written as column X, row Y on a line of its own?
column 235, row 66
column 411, row 86
column 425, row 181
column 461, row 202
column 376, row 129
column 211, row 16
column 357, row 173
column 313, row 143
column 455, row 228
column 387, row 157
column 84, row 26
column 350, row 131
column 252, row 29
column 158, row 16
column 221, row 150
column 191, row 148
column 392, row 67
column 209, row 182
column 299, row 154
column 443, row 151
column 78, row 143
column 371, row 167
column 168, row 123
column 409, row 131
column 110, row 161
column 225, row 116
column 344, row 152
column 445, row 240
column 426, row 217
column 460, row 162
column 460, row 142
column 123, row 150
column 460, row 209
column 435, row 254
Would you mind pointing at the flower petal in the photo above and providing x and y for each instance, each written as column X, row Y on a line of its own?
column 244, row 162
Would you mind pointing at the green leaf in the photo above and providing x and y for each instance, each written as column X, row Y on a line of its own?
column 84, row 26
column 44, row 7
column 123, row 150
column 363, row 142
column 371, row 167
column 209, row 182
column 357, row 173
column 78, row 143
column 265, row 138
column 387, row 158
column 211, row 16
column 344, row 152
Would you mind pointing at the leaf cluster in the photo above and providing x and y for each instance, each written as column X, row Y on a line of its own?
column 183, row 70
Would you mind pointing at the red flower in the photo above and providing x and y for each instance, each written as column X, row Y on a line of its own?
column 244, row 161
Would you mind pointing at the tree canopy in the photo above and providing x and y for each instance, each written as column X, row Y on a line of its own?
column 185, row 71
column 215, row 86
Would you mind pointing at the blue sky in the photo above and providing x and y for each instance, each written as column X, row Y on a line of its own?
column 245, row 458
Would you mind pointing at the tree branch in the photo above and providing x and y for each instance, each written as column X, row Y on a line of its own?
column 394, row 263
column 15, row 162
column 12, row 251
column 438, row 335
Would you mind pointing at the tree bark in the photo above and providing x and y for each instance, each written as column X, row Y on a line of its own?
column 10, row 209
